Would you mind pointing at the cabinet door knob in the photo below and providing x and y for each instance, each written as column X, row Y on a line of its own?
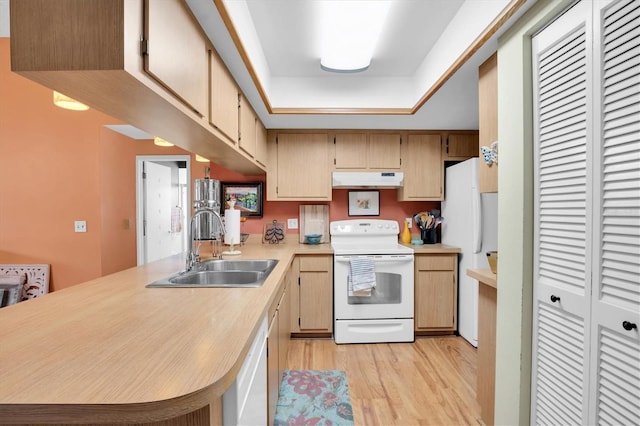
column 628, row 325
column 554, row 298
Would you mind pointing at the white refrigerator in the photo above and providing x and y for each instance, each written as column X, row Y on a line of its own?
column 470, row 223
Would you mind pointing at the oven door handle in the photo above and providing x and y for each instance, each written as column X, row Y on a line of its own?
column 379, row 259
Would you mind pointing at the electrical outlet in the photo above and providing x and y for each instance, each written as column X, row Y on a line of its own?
column 80, row 225
column 292, row 223
column 409, row 221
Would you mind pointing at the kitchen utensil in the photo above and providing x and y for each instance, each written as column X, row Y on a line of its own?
column 492, row 258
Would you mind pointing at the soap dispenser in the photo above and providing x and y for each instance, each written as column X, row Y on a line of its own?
column 406, row 234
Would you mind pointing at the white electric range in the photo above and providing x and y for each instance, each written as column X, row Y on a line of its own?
column 384, row 312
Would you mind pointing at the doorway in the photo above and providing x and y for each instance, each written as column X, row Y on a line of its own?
column 162, row 205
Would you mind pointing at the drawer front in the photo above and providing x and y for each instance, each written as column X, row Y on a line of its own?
column 436, row 262
column 315, row 263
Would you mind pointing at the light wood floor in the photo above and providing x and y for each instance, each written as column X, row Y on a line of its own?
column 429, row 382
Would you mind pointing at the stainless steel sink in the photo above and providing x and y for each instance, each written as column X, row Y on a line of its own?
column 262, row 265
column 221, row 273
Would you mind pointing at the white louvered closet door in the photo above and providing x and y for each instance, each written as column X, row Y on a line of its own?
column 615, row 345
column 562, row 92
column 586, row 354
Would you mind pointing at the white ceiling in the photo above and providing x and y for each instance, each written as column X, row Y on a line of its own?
column 420, row 41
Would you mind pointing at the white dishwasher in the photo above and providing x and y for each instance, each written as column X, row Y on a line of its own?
column 245, row 402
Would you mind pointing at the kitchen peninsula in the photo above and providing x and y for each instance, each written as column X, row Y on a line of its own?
column 113, row 351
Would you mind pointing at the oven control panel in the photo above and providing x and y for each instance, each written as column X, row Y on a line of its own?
column 365, row 226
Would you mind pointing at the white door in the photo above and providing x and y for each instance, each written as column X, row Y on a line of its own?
column 160, row 241
column 162, row 206
column 586, row 346
column 562, row 81
column 615, row 309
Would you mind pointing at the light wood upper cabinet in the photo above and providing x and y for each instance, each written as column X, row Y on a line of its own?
column 223, row 99
column 384, row 151
column 436, row 295
column 177, row 52
column 261, row 143
column 422, row 167
column 247, row 139
column 460, row 146
column 161, row 85
column 488, row 119
column 351, row 151
column 367, row 151
column 299, row 167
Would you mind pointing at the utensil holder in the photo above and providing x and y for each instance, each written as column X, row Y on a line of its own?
column 428, row 235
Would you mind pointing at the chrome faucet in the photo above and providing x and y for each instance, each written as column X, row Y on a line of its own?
column 193, row 257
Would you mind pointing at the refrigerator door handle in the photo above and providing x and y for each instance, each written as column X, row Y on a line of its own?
column 477, row 222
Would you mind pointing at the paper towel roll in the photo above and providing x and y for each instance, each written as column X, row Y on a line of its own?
column 232, row 226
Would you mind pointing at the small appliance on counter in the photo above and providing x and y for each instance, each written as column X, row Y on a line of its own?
column 206, row 194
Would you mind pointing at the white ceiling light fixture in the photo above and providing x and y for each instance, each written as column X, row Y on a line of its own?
column 350, row 30
column 66, row 102
column 161, row 142
column 201, row 159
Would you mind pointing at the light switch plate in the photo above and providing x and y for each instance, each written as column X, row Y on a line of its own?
column 292, row 223
column 409, row 221
column 80, row 225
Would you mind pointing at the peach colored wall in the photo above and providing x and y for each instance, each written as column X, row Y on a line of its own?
column 390, row 208
column 119, row 195
column 49, row 177
column 58, row 166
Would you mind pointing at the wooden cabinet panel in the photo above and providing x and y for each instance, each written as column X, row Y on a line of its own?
column 261, row 143
column 351, row 151
column 177, row 52
column 284, row 330
column 301, row 167
column 315, row 263
column 422, row 167
column 315, row 295
column 460, row 146
column 315, row 301
column 247, row 138
column 435, row 262
column 384, row 151
column 488, row 119
column 436, row 293
column 223, row 99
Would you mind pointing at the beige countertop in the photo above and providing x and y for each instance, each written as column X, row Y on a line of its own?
column 432, row 248
column 484, row 276
column 112, row 347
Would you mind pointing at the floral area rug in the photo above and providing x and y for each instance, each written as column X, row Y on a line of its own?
column 314, row 397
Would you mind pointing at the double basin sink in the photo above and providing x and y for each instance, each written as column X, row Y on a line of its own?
column 221, row 273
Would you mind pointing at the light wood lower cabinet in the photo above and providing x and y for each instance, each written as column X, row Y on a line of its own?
column 312, row 300
column 278, row 344
column 436, row 293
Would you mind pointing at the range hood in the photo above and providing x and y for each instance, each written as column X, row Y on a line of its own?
column 367, row 179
